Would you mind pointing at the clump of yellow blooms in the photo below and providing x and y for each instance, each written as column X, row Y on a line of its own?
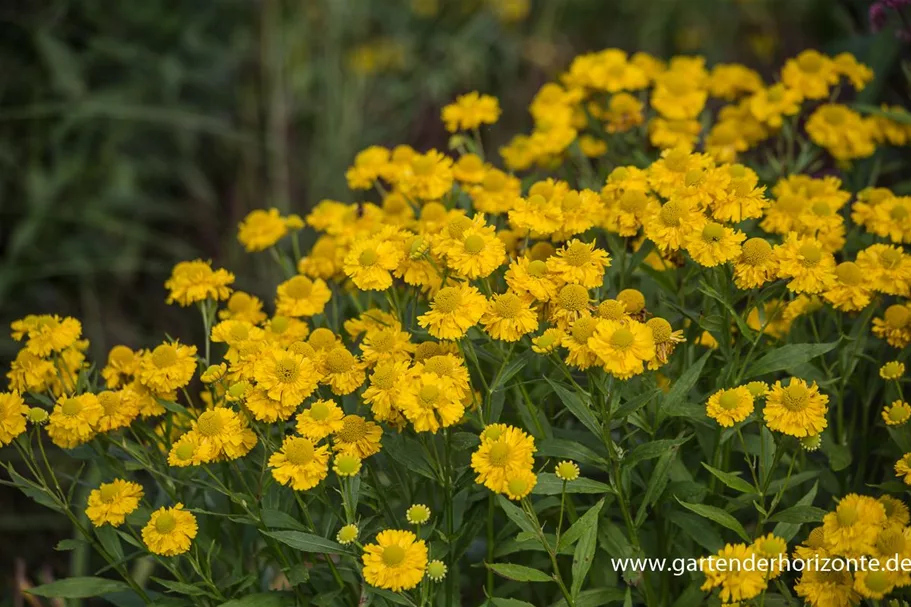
column 674, row 251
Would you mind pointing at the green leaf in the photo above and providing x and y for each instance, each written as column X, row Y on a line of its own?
column 583, row 525
column 657, row 483
column 799, row 514
column 631, row 406
column 731, row 480
column 578, row 406
column 839, row 455
column 583, row 556
column 69, row 544
column 262, row 599
column 306, row 542
column 565, row 449
column 277, row 519
column 787, row 357
column 652, row 450
column 499, row 602
column 108, row 537
column 78, row 588
column 681, row 387
column 725, row 519
column 394, row 597
column 519, row 573
column 900, row 117
column 518, row 516
column 549, row 484
column 597, row 597
column 181, row 588
column 507, row 372
column 698, row 529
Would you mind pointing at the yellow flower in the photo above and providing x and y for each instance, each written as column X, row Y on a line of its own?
column 773, row 549
column 677, row 96
column 903, row 468
column 213, row 373
column 370, row 262
column 891, row 126
column 263, row 407
column 895, row 326
column 13, row 411
column 575, row 340
column 121, row 367
column 243, row 306
column 859, row 74
column 731, row 80
column 342, row 371
column 477, row 252
column 170, row 531
column 168, row 367
column 426, row 176
column 453, row 311
column 417, row 514
column 892, row 370
column 369, row 164
column 396, row 561
column 504, row 451
column 797, row 410
column 886, row 268
column 300, row 296
column 261, row 229
column 756, row 264
column 666, row 339
column 811, row 73
column 508, row 318
column 897, row 413
column 567, row 471
column 741, row 197
column 806, row 262
column 347, row 534
column 436, row 570
column 714, row 244
column 471, row 111
column 623, row 113
column 386, row 344
column 299, row 463
column 112, row 502
column 852, row 291
column 738, row 582
column 285, row 376
column 771, row 104
column 432, row 403
column 623, row 348
column 876, row 584
column 470, row 169
column 324, row 260
column 387, row 389
column 496, row 192
column 346, row 464
column 633, row 302
column 531, row 279
column 670, row 224
column 223, row 434
column 572, row 302
column 669, row 134
column 119, row 412
column 592, row 147
column 74, row 420
column 834, row 588
column 47, row 333
column 548, row 341
column 541, row 212
column 841, row 131
column 357, row 437
column 321, row 419
column 520, row 483
column 852, row 529
column 729, row 407
column 194, row 281
column 579, row 263
column 191, row 449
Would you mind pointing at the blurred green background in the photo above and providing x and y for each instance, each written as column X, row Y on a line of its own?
column 137, row 134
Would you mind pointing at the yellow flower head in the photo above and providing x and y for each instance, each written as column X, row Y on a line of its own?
column 797, row 409
column 811, row 73
column 347, row 535
column 112, row 502
column 810, row 268
column 772, row 548
column 346, row 464
column 342, row 371
column 476, row 251
column 504, row 451
column 47, row 333
column 301, row 296
column 261, row 229
column 738, row 582
column 74, row 420
column 852, row 291
column 714, row 244
column 432, row 403
column 243, row 306
column 299, row 463
column 13, row 412
column 520, row 483
column 852, row 529
column 548, row 341
column 894, row 326
column 426, row 176
column 122, row 365
column 119, row 410
column 897, row 413
column 453, row 311
column 170, row 531
column 471, row 111
column 841, row 131
column 223, row 434
column 285, row 376
column 507, row 317
column 169, row 367
column 369, row 164
column 396, row 561
column 370, row 262
column 579, row 263
column 418, row 514
column 623, row 348
column 357, row 437
column 892, row 370
column 756, row 265
column 531, row 279
column 194, row 281
column 729, row 407
column 567, row 471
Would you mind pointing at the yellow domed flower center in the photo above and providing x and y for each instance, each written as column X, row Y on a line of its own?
column 322, row 338
column 737, row 171
column 543, row 189
column 694, row 177
column 121, row 356
column 109, row 402
column 890, row 258
column 508, row 305
column 367, row 258
column 541, row 251
column 474, row 244
column 583, row 329
column 494, row 181
column 790, row 204
column 633, row 299
column 71, row 407
column 279, row 324
column 184, row 451
column 109, row 492
column 319, row 411
column 447, row 300
column 611, row 309
column 240, row 331
column 671, row 213
column 847, row 515
column 429, row 393
column 771, row 547
column 546, row 340
column 354, row 428
column 383, row 340
column 433, row 212
column 439, row 364
column 833, row 115
column 890, row 542
column 499, row 454
column 633, row 201
column 661, row 329
column 347, row 464
column 573, row 298
column 775, row 94
column 577, row 254
column 422, row 165
column 299, row 452
column 898, row 414
column 491, row 433
column 339, row 360
column 897, row 316
column 809, row 62
column 677, row 160
column 287, row 370
column 537, row 268
column 300, row 287
column 456, row 228
column 821, row 208
column 470, row 163
column 849, row 273
column 518, row 486
column 796, row 397
column 394, row 205
column 165, row 523
column 573, row 201
column 756, row 251
column 877, row 581
column 393, row 555
column 810, row 253
column 619, row 174
column 210, row 423
column 622, row 338
column 729, row 400
column 712, row 232
column 164, row 355
column 537, row 201
column 898, row 212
